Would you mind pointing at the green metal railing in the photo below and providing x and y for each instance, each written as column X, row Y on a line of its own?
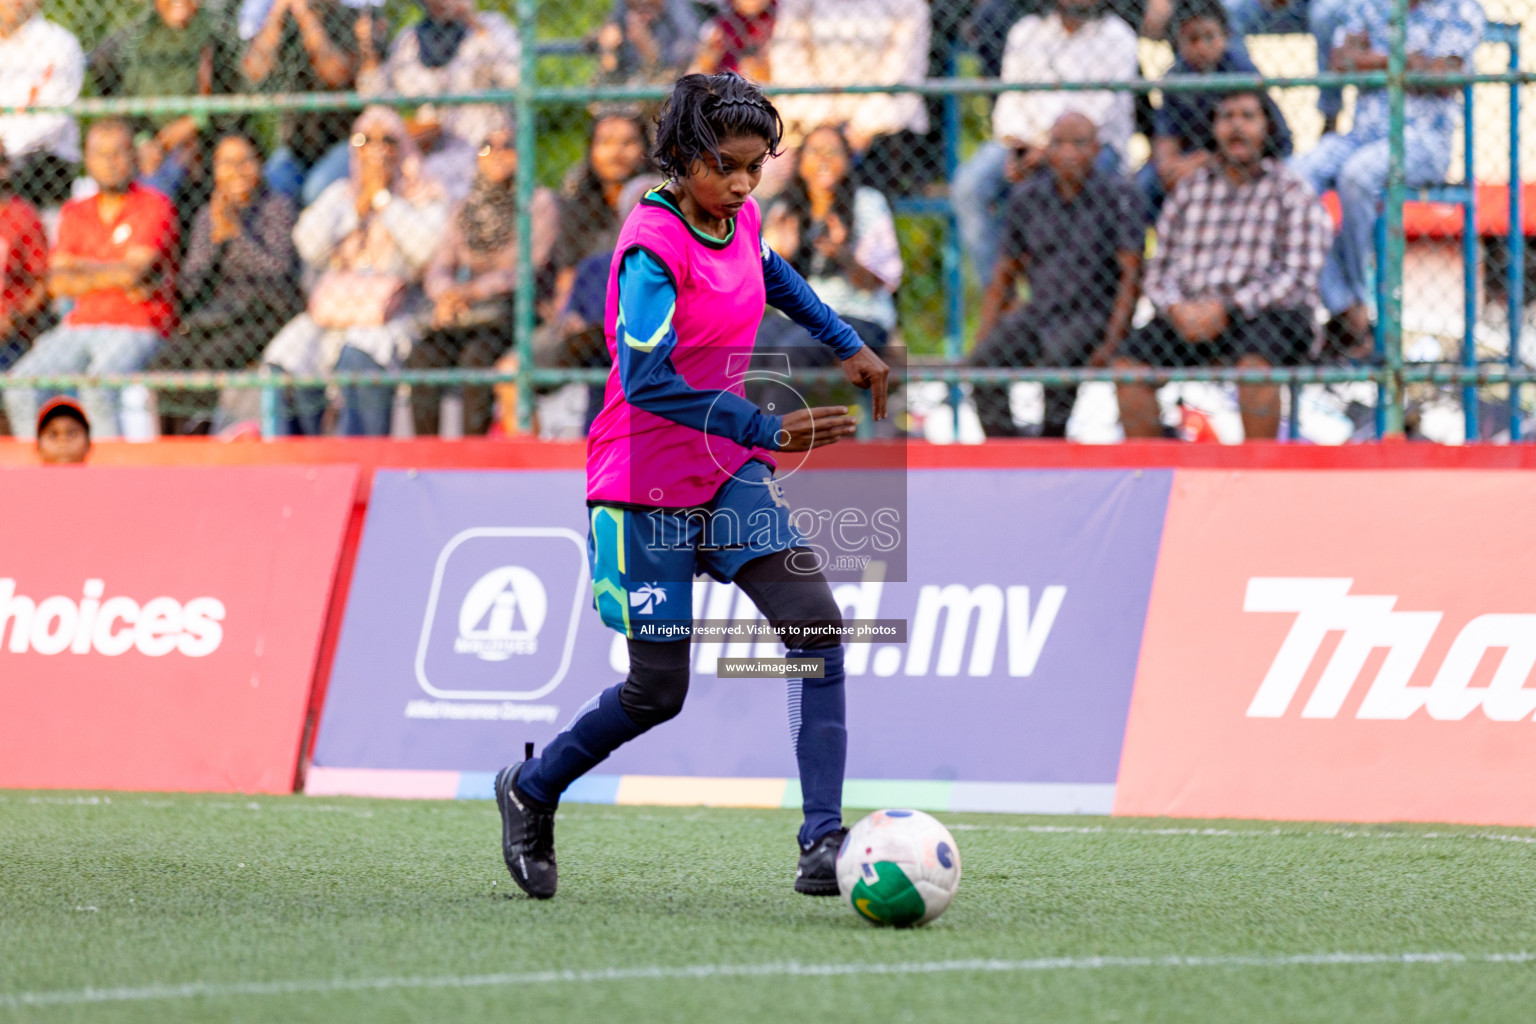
column 1390, row 374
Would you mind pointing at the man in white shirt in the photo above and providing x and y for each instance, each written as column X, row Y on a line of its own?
column 41, row 65
column 849, row 42
column 454, row 48
column 1076, row 42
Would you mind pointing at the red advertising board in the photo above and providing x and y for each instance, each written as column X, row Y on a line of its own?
column 159, row 627
column 1339, row 646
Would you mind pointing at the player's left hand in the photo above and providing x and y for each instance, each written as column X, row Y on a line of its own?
column 866, row 370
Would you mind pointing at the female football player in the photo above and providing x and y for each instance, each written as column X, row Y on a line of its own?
column 680, row 472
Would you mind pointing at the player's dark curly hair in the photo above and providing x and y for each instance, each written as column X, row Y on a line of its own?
column 702, row 111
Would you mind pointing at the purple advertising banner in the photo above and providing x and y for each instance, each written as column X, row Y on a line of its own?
column 470, row 629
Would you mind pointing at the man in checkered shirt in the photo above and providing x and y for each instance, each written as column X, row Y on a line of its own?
column 1241, row 245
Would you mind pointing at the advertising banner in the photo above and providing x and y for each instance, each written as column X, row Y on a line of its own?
column 159, row 627
column 470, row 630
column 1339, row 646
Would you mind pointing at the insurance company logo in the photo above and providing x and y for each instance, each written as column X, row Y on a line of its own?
column 1367, row 622
column 501, row 613
column 108, row 625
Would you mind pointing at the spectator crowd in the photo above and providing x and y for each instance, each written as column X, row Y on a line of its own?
column 326, row 240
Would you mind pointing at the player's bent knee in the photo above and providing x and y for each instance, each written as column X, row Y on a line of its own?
column 790, row 590
column 650, row 698
column 657, row 684
column 812, row 616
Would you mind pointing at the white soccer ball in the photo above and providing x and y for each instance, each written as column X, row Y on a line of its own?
column 899, row 868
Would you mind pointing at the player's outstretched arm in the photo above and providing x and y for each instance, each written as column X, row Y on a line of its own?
column 647, row 302
column 788, row 293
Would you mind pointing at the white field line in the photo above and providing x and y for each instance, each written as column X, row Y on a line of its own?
column 1241, row 833
column 1133, row 830
column 700, row 972
column 1222, row 833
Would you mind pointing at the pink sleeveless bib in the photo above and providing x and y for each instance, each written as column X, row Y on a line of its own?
column 637, row 457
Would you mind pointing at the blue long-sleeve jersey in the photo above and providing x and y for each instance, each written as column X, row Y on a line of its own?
column 647, row 302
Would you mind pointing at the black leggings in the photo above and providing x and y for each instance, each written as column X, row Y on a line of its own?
column 658, row 672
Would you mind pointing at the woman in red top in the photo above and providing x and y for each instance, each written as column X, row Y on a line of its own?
column 23, row 269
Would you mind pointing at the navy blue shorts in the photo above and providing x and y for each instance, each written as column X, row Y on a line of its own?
column 644, row 559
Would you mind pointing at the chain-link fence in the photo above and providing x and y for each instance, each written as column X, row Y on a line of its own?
column 313, row 216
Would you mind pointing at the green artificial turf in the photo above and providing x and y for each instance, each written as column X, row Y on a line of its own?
column 136, row 890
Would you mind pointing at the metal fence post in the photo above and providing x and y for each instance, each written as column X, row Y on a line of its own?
column 952, row 256
column 1515, row 279
column 1392, row 315
column 270, row 428
column 527, row 179
column 1470, row 413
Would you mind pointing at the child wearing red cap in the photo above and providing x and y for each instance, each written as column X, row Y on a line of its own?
column 63, row 433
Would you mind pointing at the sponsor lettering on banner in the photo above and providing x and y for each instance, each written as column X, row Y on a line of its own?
column 955, row 629
column 1368, row 623
column 470, row 630
column 1338, row 646
column 110, row 626
column 159, row 628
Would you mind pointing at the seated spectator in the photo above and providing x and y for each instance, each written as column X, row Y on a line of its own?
column 988, row 27
column 589, row 221
column 1182, row 140
column 23, row 269
column 237, row 282
column 1241, row 243
column 1440, row 37
column 647, row 41
column 63, row 433
column 473, row 280
column 41, row 64
column 737, row 39
column 116, row 259
column 446, row 158
column 177, row 48
column 573, row 337
column 1076, row 233
column 1318, row 18
column 305, row 46
column 454, row 49
column 854, row 42
column 368, row 239
column 1075, row 42
column 841, row 237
